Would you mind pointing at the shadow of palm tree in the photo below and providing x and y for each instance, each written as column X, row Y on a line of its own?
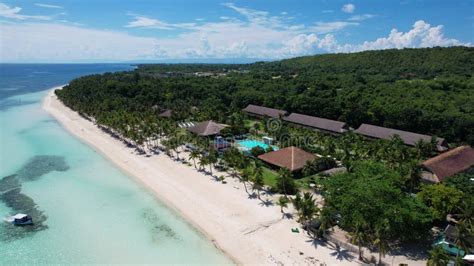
column 316, row 242
column 341, row 253
column 266, row 203
column 287, row 215
column 252, row 195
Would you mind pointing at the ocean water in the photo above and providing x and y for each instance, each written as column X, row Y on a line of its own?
column 85, row 210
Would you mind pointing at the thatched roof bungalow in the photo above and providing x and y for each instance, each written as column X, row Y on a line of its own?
column 448, row 164
column 292, row 158
column 166, row 114
column 409, row 138
column 317, row 123
column 260, row 111
column 207, row 128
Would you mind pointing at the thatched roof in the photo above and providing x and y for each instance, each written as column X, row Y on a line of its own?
column 316, row 122
column 263, row 111
column 292, row 158
column 451, row 162
column 167, row 113
column 335, row 170
column 409, row 138
column 207, row 128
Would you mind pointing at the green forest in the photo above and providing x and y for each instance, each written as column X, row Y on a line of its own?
column 428, row 90
column 380, row 200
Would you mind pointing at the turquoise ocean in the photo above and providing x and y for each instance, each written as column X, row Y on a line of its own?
column 85, row 210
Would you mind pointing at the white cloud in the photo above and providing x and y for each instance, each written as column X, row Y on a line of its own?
column 258, row 35
column 361, row 17
column 145, row 22
column 14, row 13
column 257, row 17
column 50, row 42
column 326, row 27
column 48, row 6
column 348, row 8
column 422, row 34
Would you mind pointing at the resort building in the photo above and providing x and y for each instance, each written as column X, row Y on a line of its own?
column 447, row 241
column 260, row 111
column 206, row 128
column 166, row 114
column 409, row 138
column 292, row 158
column 447, row 164
column 316, row 123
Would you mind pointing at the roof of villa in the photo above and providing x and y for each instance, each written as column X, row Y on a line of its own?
column 409, row 138
column 451, row 162
column 316, row 122
column 167, row 113
column 207, row 128
column 264, row 111
column 292, row 158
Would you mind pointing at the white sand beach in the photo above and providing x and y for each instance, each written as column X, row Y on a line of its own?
column 246, row 230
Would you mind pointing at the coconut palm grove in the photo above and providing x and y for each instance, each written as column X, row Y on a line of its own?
column 398, row 185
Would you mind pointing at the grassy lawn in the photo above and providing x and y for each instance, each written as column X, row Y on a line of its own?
column 305, row 181
column 269, row 177
column 248, row 123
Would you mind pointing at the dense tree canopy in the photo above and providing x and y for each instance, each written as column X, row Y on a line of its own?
column 380, row 200
column 371, row 197
column 422, row 90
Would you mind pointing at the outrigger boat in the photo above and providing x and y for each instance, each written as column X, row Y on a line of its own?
column 19, row 219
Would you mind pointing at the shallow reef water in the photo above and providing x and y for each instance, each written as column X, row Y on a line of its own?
column 18, row 202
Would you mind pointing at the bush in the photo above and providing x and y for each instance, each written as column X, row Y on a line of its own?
column 318, row 165
column 257, row 150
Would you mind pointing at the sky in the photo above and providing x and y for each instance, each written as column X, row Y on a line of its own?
column 53, row 31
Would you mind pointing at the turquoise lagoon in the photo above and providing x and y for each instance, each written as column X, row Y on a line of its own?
column 86, row 210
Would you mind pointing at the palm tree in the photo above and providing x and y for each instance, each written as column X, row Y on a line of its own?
column 211, row 159
column 464, row 238
column 305, row 206
column 232, row 157
column 245, row 177
column 258, row 180
column 414, row 174
column 256, row 127
column 438, row 257
column 193, row 156
column 283, row 203
column 166, row 145
column 380, row 240
column 202, row 161
column 308, row 168
column 327, row 220
column 359, row 236
column 467, row 211
column 285, row 182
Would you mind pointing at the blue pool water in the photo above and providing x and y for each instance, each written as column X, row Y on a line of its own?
column 249, row 144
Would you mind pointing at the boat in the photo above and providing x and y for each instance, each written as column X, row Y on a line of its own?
column 19, row 219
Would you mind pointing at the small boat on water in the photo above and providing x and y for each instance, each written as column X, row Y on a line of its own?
column 19, row 219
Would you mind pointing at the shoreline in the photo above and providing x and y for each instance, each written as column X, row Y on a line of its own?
column 241, row 228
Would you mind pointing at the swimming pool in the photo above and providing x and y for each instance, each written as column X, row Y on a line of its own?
column 248, row 144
